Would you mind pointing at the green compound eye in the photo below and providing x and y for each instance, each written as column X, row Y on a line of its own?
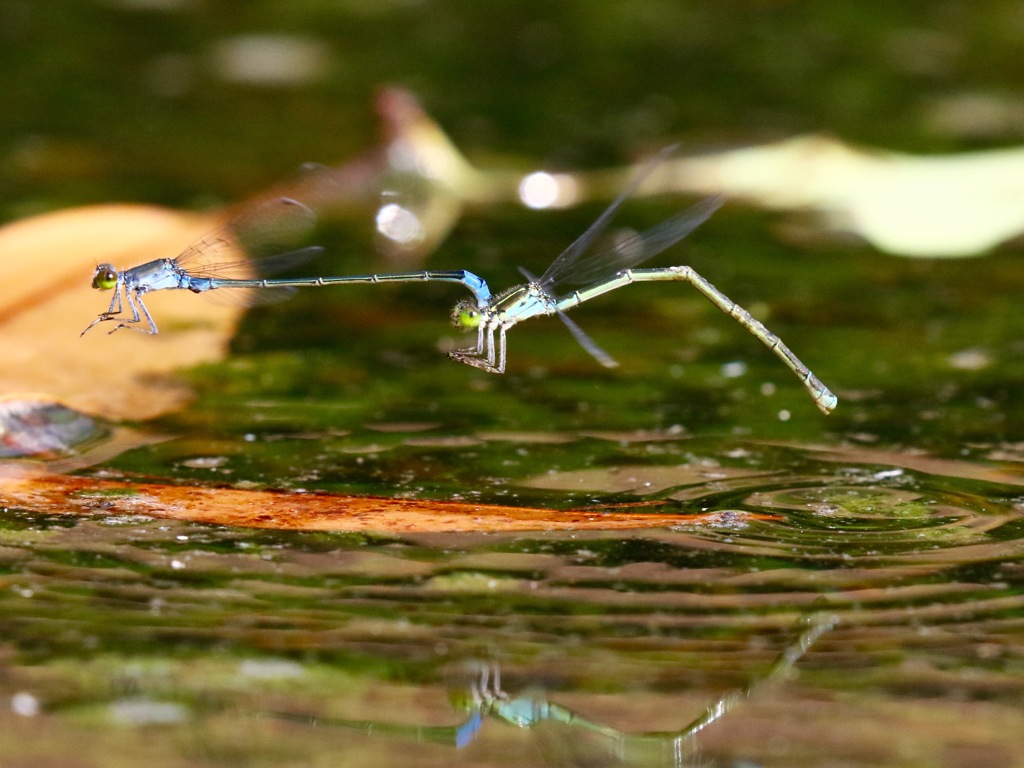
column 105, row 277
column 466, row 316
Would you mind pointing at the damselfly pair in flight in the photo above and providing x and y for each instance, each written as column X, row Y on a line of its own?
column 230, row 258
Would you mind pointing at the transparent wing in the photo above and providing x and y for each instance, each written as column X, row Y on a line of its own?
column 584, row 340
column 581, row 336
column 260, row 240
column 565, row 265
column 637, row 248
column 248, row 297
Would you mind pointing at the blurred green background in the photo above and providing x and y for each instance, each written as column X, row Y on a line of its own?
column 158, row 100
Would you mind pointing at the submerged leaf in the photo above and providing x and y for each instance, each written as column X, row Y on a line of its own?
column 306, row 511
column 37, row 426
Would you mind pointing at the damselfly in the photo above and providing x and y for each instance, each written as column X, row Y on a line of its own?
column 229, row 260
column 603, row 271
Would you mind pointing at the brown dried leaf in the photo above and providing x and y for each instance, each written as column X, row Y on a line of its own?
column 305, row 511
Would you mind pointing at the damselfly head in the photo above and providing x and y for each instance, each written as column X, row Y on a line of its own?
column 105, row 277
column 466, row 315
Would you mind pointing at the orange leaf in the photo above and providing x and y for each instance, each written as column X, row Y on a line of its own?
column 306, row 511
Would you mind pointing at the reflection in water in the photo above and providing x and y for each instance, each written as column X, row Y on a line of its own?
column 400, row 225
column 548, row 190
column 116, row 625
column 487, row 699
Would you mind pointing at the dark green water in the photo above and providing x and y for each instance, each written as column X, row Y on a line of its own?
column 897, row 520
